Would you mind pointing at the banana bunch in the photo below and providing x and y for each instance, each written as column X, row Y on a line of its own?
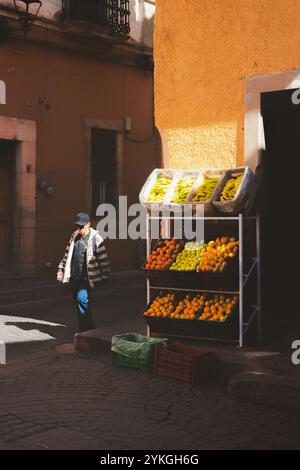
column 182, row 189
column 159, row 190
column 231, row 188
column 205, row 191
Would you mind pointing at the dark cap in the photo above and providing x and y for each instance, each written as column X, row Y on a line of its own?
column 82, row 219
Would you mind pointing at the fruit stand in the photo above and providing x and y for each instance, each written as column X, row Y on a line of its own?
column 234, row 283
column 208, row 290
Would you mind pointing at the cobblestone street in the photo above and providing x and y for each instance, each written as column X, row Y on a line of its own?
column 148, row 305
column 77, row 401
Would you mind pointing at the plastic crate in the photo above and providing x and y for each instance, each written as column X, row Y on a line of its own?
column 132, row 363
column 209, row 209
column 150, row 182
column 243, row 196
column 155, row 296
column 133, row 350
column 153, row 249
column 227, row 330
column 181, row 362
column 222, row 330
column 177, row 207
column 163, row 325
column 226, row 280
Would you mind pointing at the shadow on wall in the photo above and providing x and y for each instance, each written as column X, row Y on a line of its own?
column 162, row 148
column 159, row 148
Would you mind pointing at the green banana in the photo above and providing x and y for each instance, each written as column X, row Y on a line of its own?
column 231, row 188
column 205, row 191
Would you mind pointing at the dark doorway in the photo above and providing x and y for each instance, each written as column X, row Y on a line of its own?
column 280, row 204
column 103, row 168
column 7, row 180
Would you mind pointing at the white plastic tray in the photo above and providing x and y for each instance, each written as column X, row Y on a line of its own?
column 205, row 174
column 173, row 206
column 150, row 182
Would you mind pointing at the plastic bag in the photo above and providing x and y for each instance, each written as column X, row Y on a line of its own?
column 134, row 350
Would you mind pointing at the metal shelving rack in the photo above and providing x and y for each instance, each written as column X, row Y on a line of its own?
column 243, row 277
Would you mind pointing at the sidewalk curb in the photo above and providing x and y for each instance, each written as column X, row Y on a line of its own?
column 90, row 342
column 267, row 388
column 99, row 340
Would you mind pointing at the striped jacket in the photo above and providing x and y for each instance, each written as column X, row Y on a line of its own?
column 96, row 258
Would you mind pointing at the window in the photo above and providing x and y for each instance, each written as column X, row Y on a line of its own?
column 113, row 14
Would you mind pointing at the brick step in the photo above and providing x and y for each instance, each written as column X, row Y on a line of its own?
column 99, row 340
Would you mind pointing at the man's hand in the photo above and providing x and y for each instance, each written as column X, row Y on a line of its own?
column 60, row 275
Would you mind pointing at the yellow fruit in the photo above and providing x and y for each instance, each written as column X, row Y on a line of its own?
column 214, row 254
column 189, row 258
column 231, row 188
column 205, row 190
column 182, row 189
column 159, row 189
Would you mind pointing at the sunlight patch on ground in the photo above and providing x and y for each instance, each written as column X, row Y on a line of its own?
column 10, row 333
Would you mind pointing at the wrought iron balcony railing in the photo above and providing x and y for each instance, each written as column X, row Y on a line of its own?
column 113, row 14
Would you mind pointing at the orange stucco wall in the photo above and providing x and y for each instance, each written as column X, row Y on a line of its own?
column 204, row 49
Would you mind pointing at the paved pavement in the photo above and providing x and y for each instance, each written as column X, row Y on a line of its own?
column 61, row 399
column 45, row 328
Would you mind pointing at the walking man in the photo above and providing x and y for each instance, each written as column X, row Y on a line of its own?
column 84, row 264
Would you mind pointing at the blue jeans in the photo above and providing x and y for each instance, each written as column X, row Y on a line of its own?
column 81, row 296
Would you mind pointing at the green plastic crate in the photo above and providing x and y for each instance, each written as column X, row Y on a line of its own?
column 134, row 351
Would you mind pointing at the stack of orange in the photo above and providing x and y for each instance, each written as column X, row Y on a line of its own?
column 164, row 254
column 217, row 253
column 218, row 308
column 187, row 308
column 161, row 306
